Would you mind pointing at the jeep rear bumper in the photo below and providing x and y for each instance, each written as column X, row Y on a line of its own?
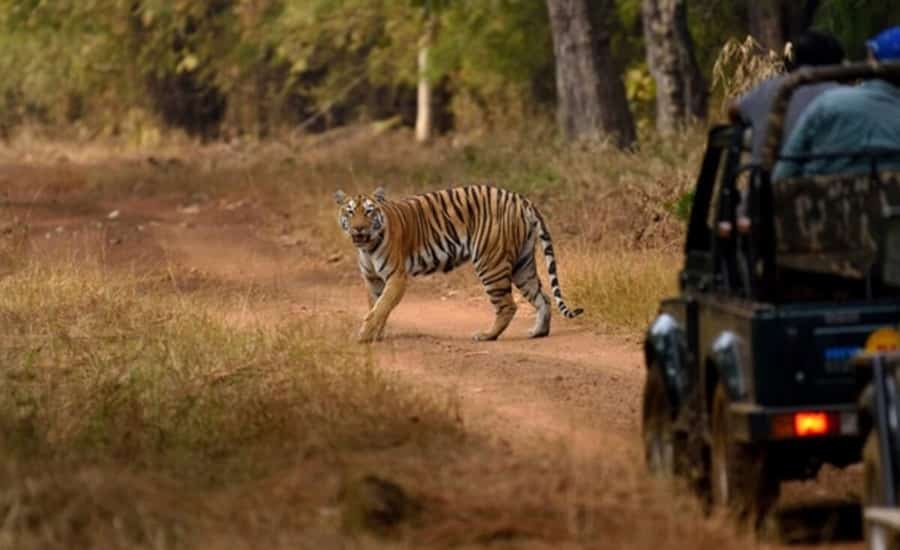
column 795, row 456
column 756, row 423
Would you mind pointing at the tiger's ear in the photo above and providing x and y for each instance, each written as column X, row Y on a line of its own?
column 379, row 194
column 339, row 196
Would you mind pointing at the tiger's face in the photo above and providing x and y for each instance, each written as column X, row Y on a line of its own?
column 361, row 217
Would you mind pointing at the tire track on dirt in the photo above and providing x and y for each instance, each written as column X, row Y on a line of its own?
column 527, row 390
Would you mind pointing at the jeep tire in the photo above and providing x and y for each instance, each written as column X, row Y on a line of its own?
column 741, row 480
column 658, row 425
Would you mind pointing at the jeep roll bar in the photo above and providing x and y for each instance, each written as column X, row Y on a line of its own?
column 762, row 243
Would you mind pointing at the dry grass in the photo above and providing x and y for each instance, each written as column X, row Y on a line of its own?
column 585, row 189
column 621, row 289
column 597, row 201
column 115, row 390
column 134, row 415
column 740, row 66
column 99, row 365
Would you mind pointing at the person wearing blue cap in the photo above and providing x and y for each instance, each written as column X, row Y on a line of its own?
column 885, row 46
column 848, row 119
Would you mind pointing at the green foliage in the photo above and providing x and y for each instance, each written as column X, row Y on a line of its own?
column 506, row 164
column 627, row 32
column 712, row 23
column 640, row 89
column 253, row 64
column 681, row 208
column 106, row 57
column 348, row 39
column 855, row 21
column 495, row 53
column 494, row 42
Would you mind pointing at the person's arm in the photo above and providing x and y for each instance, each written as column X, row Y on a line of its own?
column 754, row 103
column 741, row 108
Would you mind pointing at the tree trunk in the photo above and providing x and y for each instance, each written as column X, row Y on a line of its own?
column 424, row 117
column 423, row 100
column 696, row 90
column 681, row 92
column 591, row 94
column 774, row 22
column 798, row 16
column 764, row 19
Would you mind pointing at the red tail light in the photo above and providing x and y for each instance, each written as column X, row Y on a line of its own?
column 812, row 424
column 808, row 424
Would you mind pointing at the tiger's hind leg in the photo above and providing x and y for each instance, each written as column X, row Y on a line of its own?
column 498, row 285
column 526, row 280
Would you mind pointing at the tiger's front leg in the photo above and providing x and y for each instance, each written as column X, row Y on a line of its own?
column 375, row 287
column 373, row 324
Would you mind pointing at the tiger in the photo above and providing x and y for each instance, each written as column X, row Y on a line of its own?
column 494, row 228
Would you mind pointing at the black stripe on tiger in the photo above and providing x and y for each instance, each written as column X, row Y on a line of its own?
column 550, row 259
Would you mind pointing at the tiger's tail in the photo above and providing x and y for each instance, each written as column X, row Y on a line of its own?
column 550, row 260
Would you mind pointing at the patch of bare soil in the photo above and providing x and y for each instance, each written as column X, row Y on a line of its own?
column 567, row 402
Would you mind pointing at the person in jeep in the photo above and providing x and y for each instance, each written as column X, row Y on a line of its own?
column 809, row 49
column 848, row 120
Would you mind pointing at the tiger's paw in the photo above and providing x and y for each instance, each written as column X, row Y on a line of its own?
column 539, row 333
column 367, row 336
column 482, row 337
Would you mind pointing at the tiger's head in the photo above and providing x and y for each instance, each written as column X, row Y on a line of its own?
column 361, row 216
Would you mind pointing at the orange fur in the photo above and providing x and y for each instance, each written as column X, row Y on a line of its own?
column 494, row 228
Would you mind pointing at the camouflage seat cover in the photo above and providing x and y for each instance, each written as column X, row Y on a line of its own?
column 837, row 224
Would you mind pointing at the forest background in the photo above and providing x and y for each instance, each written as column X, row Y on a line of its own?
column 220, row 69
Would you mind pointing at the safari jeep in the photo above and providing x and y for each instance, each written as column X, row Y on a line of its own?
column 750, row 379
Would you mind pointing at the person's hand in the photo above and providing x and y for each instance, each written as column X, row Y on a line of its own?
column 734, row 114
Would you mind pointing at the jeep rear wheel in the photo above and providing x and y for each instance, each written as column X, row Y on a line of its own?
column 658, row 426
column 873, row 495
column 741, row 480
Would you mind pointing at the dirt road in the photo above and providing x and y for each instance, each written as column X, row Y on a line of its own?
column 578, row 386
column 578, row 389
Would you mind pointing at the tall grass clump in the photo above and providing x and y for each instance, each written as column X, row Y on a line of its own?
column 622, row 289
column 99, row 368
column 740, row 66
